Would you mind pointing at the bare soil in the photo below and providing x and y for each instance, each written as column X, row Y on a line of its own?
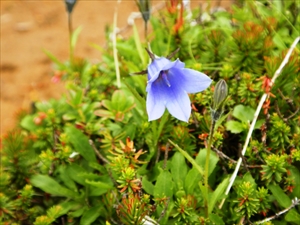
column 28, row 27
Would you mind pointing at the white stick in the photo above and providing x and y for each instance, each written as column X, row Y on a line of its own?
column 295, row 202
column 262, row 100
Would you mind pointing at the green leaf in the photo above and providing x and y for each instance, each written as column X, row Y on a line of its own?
column 128, row 51
column 213, row 160
column 80, row 143
column 220, row 120
column 204, row 190
column 79, row 211
column 75, row 98
column 188, row 157
column 164, row 185
column 50, row 186
column 100, row 185
column 53, row 58
column 283, row 200
column 191, row 180
column 69, row 116
column 75, row 36
column 98, row 167
column 104, row 113
column 64, row 176
column 91, row 215
column 137, row 96
column 292, row 216
column 193, row 177
column 118, row 106
column 178, row 169
column 66, row 207
column 243, row 113
column 248, row 177
column 234, row 126
column 94, row 176
column 96, row 191
column 215, row 219
column 59, row 210
column 86, row 74
column 74, row 171
column 277, row 6
column 277, row 38
column 120, row 102
column 28, row 123
column 147, row 185
column 295, row 174
column 258, row 124
column 138, row 45
column 217, row 194
column 107, row 104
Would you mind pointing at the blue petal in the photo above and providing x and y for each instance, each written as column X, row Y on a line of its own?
column 180, row 107
column 174, row 98
column 176, row 64
column 190, row 80
column 156, row 66
column 171, row 92
column 155, row 101
column 161, row 64
column 178, row 102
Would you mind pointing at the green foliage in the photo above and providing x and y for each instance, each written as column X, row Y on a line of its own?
column 274, row 168
column 246, row 198
column 245, row 115
column 92, row 157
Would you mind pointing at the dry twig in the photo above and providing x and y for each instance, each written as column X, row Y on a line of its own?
column 295, row 202
column 101, row 157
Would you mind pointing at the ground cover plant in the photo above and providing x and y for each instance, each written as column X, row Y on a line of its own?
column 144, row 138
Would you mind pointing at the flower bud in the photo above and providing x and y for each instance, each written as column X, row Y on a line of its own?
column 220, row 95
column 144, row 7
column 70, row 4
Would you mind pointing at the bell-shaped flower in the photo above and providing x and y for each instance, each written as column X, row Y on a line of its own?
column 168, row 86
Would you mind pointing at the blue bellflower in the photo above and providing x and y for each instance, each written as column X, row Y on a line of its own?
column 168, row 86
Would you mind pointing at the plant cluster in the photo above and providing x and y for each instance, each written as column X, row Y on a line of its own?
column 92, row 156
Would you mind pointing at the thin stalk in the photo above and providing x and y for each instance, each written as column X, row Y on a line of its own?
column 157, row 129
column 211, row 134
column 146, row 31
column 70, row 26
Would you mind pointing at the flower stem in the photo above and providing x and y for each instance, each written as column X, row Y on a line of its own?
column 70, row 37
column 210, row 139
